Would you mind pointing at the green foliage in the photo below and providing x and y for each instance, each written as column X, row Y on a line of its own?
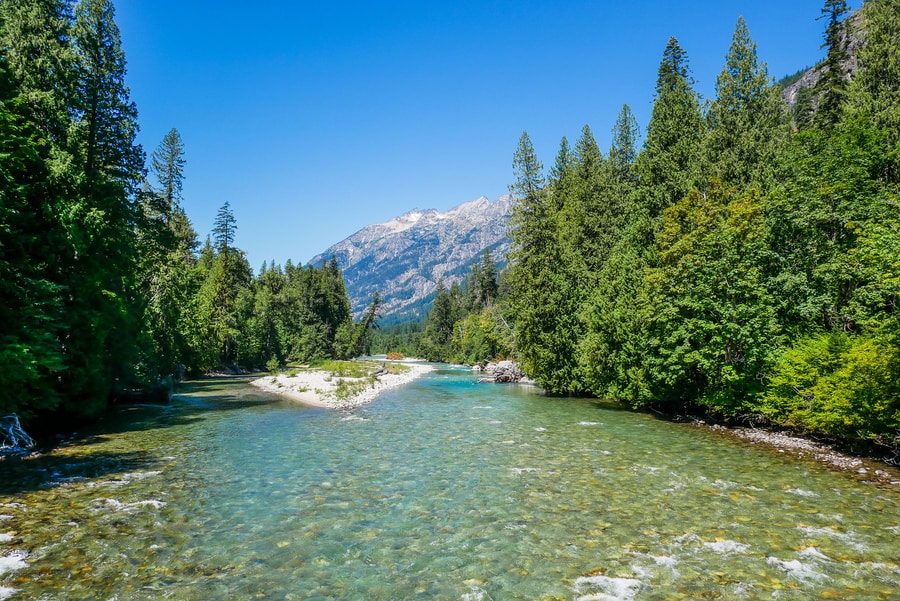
column 712, row 327
column 874, row 93
column 746, row 123
column 669, row 164
column 838, row 385
column 832, row 85
column 777, row 297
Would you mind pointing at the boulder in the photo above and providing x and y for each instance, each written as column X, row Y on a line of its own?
column 503, row 371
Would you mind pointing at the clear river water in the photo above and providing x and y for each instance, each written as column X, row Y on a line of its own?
column 441, row 489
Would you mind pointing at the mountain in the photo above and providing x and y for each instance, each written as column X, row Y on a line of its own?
column 403, row 259
column 853, row 37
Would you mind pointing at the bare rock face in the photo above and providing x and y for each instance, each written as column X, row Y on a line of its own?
column 403, row 259
column 853, row 34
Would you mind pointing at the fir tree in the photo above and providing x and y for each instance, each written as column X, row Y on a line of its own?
column 832, row 84
column 746, row 122
column 669, row 164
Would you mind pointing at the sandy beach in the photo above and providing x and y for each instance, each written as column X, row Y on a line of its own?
column 319, row 388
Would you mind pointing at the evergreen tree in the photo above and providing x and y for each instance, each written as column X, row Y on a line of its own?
column 100, row 269
column 224, row 228
column 31, row 321
column 746, row 122
column 167, row 165
column 539, row 296
column 832, row 84
column 669, row 164
column 874, row 93
column 561, row 174
column 34, row 37
column 623, row 151
column 167, row 242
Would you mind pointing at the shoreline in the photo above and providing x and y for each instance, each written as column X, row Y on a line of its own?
column 318, row 387
column 866, row 469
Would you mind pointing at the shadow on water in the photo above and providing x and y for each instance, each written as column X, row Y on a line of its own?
column 26, row 474
column 73, row 457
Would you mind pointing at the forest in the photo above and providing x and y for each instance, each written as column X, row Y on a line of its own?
column 743, row 261
column 105, row 290
column 737, row 256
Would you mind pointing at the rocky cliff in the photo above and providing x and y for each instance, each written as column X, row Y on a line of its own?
column 853, row 36
column 403, row 259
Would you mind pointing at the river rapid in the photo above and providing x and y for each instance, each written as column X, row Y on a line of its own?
column 441, row 489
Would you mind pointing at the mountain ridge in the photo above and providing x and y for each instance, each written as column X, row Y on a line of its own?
column 404, row 258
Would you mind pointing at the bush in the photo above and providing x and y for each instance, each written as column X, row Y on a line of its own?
column 837, row 385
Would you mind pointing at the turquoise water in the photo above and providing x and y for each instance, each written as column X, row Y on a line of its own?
column 442, row 489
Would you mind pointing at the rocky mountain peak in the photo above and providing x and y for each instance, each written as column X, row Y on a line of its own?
column 404, row 258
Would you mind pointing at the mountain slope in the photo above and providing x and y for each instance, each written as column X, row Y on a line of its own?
column 403, row 259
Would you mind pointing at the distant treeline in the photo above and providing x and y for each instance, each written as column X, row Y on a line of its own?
column 104, row 289
column 466, row 323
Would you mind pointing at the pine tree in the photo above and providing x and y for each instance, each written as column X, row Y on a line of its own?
column 832, row 84
column 747, row 120
column 102, row 217
column 31, row 320
column 545, row 323
column 623, row 151
column 34, row 36
column 167, row 166
column 669, row 164
column 874, row 93
column 224, row 228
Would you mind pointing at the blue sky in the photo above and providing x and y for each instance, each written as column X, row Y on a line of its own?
column 315, row 119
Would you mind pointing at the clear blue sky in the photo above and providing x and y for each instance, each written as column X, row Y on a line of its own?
column 315, row 119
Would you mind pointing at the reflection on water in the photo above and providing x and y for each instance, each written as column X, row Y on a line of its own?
column 443, row 489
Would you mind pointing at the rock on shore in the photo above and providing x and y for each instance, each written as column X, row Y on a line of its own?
column 503, row 371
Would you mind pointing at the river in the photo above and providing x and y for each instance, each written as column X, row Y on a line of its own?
column 441, row 489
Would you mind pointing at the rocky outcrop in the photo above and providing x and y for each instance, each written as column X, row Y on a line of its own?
column 854, row 37
column 502, row 371
column 403, row 259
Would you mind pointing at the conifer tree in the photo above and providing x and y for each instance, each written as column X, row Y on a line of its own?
column 874, row 93
column 539, row 295
column 668, row 165
column 832, row 84
column 623, row 151
column 224, row 228
column 102, row 218
column 746, row 122
column 31, row 320
column 35, row 36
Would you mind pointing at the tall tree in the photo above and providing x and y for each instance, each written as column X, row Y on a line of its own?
column 31, row 320
column 747, row 125
column 669, row 164
column 874, row 93
column 102, row 217
column 34, row 36
column 538, row 287
column 224, row 228
column 623, row 150
column 167, row 243
column 832, row 84
column 562, row 172
column 167, row 165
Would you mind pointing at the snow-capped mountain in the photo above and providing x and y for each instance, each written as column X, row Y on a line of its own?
column 404, row 258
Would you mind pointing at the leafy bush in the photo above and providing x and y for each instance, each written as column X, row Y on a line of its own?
column 838, row 385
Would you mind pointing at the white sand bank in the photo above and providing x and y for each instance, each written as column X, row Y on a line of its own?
column 319, row 388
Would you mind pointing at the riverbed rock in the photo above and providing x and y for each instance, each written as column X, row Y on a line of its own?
column 502, row 371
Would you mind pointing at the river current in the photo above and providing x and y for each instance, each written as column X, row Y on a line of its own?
column 441, row 489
